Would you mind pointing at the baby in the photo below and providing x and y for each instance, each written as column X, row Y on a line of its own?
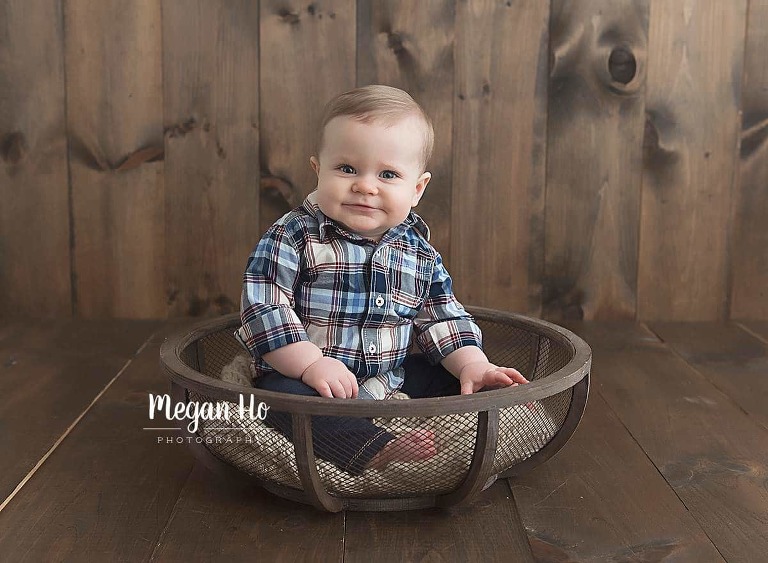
column 336, row 289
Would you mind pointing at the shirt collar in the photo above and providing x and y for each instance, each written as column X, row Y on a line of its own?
column 326, row 224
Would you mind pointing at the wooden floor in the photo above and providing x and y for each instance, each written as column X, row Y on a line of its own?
column 670, row 463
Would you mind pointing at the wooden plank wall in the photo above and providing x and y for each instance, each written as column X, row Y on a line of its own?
column 498, row 172
column 749, row 274
column 114, row 109
column 595, row 159
column 692, row 106
column 594, row 136
column 211, row 125
column 34, row 188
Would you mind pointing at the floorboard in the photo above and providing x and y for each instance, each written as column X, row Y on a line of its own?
column 486, row 529
column 735, row 361
column 601, row 499
column 757, row 328
column 216, row 520
column 39, row 362
column 667, row 464
column 107, row 491
column 710, row 451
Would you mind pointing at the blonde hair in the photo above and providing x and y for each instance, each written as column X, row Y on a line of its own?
column 378, row 103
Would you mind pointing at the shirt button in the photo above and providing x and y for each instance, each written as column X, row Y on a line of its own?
column 372, row 348
column 379, row 301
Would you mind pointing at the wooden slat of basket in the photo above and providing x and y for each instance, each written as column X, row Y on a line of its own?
column 572, row 419
column 482, row 460
column 305, row 461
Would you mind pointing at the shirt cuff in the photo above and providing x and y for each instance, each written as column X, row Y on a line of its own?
column 269, row 330
column 442, row 338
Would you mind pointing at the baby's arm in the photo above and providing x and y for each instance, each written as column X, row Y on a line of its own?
column 305, row 361
column 471, row 366
column 446, row 333
column 271, row 327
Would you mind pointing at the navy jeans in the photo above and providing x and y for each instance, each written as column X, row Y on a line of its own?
column 351, row 442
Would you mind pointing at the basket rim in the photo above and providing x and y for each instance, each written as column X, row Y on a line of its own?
column 564, row 378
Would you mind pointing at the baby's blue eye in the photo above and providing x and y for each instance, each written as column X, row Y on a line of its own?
column 347, row 169
column 389, row 175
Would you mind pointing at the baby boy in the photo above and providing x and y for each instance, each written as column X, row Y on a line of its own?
column 336, row 289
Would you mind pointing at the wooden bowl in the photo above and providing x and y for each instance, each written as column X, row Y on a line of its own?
column 479, row 437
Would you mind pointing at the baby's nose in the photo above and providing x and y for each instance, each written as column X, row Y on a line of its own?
column 365, row 185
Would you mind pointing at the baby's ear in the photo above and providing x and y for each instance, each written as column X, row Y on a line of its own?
column 315, row 164
column 421, row 185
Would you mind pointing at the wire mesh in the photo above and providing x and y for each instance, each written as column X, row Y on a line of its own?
column 266, row 451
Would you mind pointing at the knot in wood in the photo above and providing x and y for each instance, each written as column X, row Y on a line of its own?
column 289, row 17
column 622, row 65
column 395, row 42
column 13, row 147
column 279, row 188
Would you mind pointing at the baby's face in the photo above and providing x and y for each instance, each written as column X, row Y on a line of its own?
column 369, row 174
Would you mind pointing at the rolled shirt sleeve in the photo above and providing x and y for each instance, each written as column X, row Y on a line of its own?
column 267, row 304
column 443, row 326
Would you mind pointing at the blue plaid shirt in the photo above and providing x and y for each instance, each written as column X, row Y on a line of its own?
column 359, row 301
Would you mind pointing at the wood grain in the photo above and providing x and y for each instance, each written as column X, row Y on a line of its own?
column 306, row 57
column 497, row 209
column 114, row 109
column 732, row 359
column 601, row 499
column 594, row 138
column 217, row 519
column 34, row 215
column 749, row 270
column 413, row 49
column 613, row 334
column 211, row 109
column 486, row 529
column 709, row 451
column 692, row 103
column 39, row 361
column 111, row 492
column 757, row 328
column 109, row 488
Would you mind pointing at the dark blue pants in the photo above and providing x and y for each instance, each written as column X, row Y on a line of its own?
column 351, row 442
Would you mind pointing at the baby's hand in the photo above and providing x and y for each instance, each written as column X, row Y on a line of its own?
column 477, row 375
column 331, row 378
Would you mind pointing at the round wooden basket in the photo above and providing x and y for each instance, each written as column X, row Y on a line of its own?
column 479, row 437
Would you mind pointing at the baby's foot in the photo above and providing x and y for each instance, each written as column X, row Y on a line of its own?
column 416, row 445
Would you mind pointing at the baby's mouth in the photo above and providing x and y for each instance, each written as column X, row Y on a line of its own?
column 360, row 206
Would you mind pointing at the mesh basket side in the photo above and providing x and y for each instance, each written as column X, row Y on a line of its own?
column 525, row 429
column 454, row 438
column 189, row 356
column 268, row 453
column 552, row 356
column 216, row 350
column 509, row 346
column 249, row 445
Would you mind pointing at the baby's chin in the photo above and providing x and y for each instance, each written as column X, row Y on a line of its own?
column 375, row 235
column 358, row 229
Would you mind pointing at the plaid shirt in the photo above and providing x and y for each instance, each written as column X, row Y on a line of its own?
column 358, row 301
